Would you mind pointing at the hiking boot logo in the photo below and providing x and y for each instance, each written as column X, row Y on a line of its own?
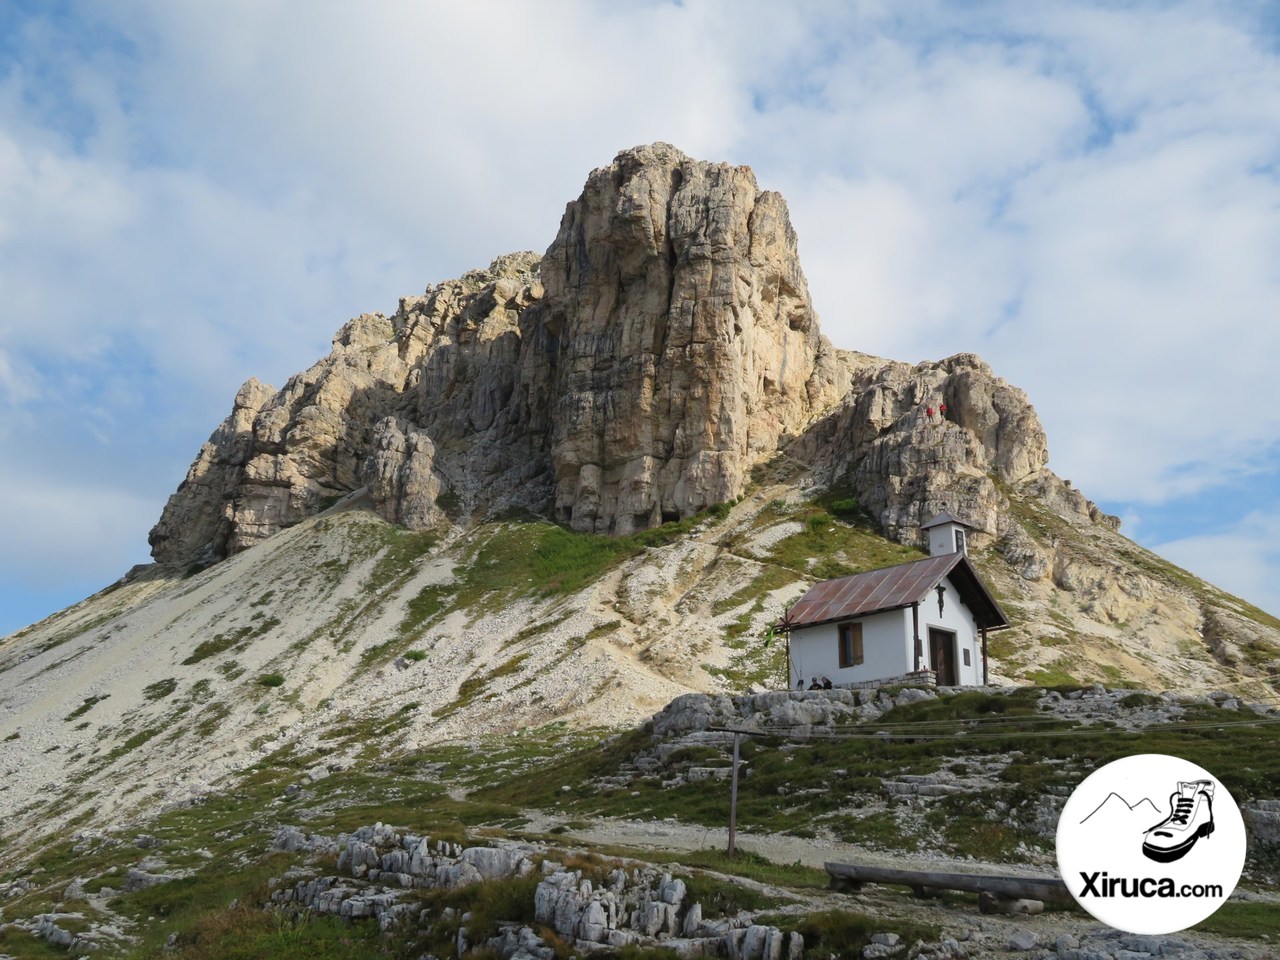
column 1127, row 858
column 1190, row 818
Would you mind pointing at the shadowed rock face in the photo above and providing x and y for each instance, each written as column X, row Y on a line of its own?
column 663, row 345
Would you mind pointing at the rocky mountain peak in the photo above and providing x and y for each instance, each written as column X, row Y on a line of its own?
column 663, row 345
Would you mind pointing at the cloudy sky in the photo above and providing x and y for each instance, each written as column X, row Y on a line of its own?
column 1086, row 194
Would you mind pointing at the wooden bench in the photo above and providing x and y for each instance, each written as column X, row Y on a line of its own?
column 997, row 894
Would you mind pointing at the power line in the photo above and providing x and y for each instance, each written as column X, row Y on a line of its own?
column 989, row 723
column 789, row 732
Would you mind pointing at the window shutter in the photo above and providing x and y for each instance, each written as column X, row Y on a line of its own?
column 850, row 644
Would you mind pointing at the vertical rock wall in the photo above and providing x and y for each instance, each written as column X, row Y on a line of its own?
column 686, row 343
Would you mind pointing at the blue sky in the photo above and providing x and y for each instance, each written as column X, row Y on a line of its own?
column 1085, row 194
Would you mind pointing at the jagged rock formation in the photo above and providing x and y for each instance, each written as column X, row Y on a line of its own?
column 663, row 345
column 906, row 464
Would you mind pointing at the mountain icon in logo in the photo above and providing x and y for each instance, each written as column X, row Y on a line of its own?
column 1117, row 810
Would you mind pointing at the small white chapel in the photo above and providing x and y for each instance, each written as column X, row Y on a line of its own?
column 927, row 619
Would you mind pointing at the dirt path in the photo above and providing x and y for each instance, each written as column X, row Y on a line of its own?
column 669, row 835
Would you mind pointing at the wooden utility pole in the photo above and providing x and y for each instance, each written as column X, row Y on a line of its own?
column 733, row 800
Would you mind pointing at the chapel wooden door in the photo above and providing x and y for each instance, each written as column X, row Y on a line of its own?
column 942, row 656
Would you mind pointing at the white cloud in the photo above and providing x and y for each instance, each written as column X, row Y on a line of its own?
column 68, row 527
column 1242, row 559
column 17, row 386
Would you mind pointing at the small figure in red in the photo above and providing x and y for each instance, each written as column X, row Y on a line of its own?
column 928, row 412
column 943, row 411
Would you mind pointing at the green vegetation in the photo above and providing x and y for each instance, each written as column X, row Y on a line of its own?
column 488, row 903
column 836, row 786
column 247, row 933
column 132, row 743
column 1052, row 675
column 211, row 719
column 724, row 898
column 472, row 686
column 85, row 707
column 838, row 539
column 1243, row 919
column 160, row 689
column 602, row 629
column 526, row 555
column 271, row 680
column 824, row 787
column 559, row 561
column 236, row 639
column 842, row 934
column 754, row 661
column 429, row 602
column 415, row 655
column 402, row 550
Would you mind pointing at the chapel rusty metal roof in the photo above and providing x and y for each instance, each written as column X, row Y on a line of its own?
column 892, row 588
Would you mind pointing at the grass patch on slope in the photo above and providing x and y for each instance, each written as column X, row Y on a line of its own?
column 1248, row 919
column 529, row 556
column 247, row 932
column 88, row 704
column 539, row 558
column 838, row 539
column 401, row 552
column 235, row 639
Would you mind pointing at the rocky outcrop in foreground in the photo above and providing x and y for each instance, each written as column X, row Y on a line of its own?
column 635, row 907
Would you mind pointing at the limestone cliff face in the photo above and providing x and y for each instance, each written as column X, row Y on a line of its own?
column 635, row 373
column 686, row 341
column 906, row 464
column 663, row 345
column 196, row 520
